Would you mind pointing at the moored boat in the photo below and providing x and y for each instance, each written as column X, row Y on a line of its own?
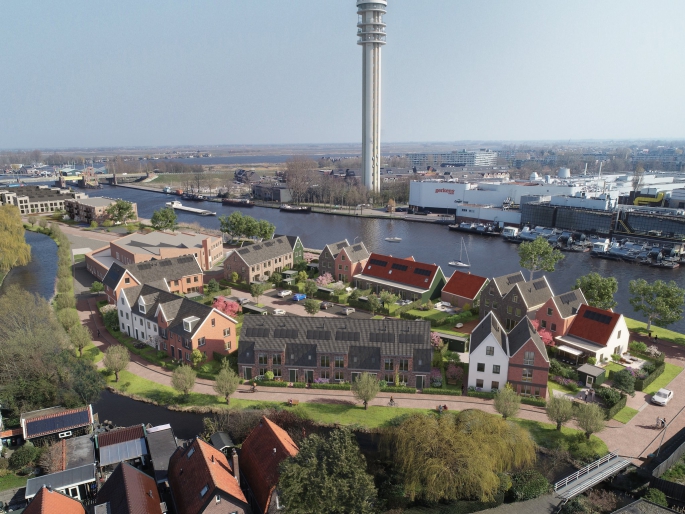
column 295, row 208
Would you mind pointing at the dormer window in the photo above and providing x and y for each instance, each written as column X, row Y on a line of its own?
column 189, row 323
column 190, row 453
column 141, row 306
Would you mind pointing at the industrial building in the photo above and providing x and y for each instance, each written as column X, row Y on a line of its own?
column 482, row 157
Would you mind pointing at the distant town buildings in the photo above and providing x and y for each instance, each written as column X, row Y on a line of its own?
column 38, row 199
column 482, row 157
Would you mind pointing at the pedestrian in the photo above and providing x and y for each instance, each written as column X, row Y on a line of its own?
column 656, row 338
column 98, row 332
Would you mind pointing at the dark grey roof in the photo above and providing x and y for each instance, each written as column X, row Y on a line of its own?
column 591, row 370
column 292, row 240
column 304, row 337
column 152, row 297
column 80, row 451
column 154, row 271
column 266, row 250
column 422, row 359
column 61, row 479
column 357, row 252
column 334, row 248
column 488, row 325
column 521, row 334
column 505, row 283
column 221, row 440
column 569, row 303
column 162, row 444
column 364, row 357
column 534, row 293
column 113, row 276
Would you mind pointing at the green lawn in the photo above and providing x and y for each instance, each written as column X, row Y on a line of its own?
column 664, row 334
column 625, row 414
column 553, row 386
column 12, row 481
column 447, row 330
column 612, row 366
column 80, row 257
column 432, row 315
column 664, row 379
column 546, row 434
column 92, row 353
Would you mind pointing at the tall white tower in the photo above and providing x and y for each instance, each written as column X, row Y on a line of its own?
column 371, row 32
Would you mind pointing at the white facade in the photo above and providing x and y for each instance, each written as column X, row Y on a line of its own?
column 371, row 33
column 616, row 343
column 135, row 325
column 492, row 359
column 482, row 157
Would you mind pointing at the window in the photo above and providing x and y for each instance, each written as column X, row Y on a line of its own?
column 510, row 323
column 489, row 350
column 491, row 292
column 339, row 376
column 389, row 378
column 326, row 373
column 543, row 323
column 527, row 375
column 127, row 315
column 404, row 364
column 553, row 327
column 495, row 369
column 526, row 390
column 188, row 280
column 618, row 335
column 389, row 365
column 510, row 309
column 227, row 332
column 340, row 362
column 121, row 313
column 325, row 361
column 276, row 359
column 479, row 383
column 494, row 305
column 213, row 322
column 204, row 491
column 514, row 299
column 277, row 372
column 340, row 266
column 487, row 302
column 342, row 257
column 127, row 280
column 494, row 386
column 481, row 366
column 549, row 311
column 141, row 307
column 218, row 499
column 201, row 342
column 518, row 312
column 195, row 279
column 262, row 358
column 529, row 358
column 141, row 322
column 262, row 371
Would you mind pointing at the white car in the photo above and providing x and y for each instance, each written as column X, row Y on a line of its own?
column 348, row 310
column 662, row 397
column 279, row 312
column 285, row 293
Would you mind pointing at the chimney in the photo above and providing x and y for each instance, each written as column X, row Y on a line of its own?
column 236, row 469
column 212, row 458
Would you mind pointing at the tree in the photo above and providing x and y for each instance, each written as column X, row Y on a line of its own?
column 599, row 291
column 276, row 278
column 43, row 223
column 374, row 303
column 265, row 230
column 447, row 458
column 116, row 360
column 23, row 456
column 14, row 251
column 660, row 302
column 590, row 418
column 365, row 388
column 226, row 306
column 538, row 255
column 32, row 220
column 80, row 337
column 311, row 306
column 196, row 357
column 93, row 224
column 337, row 484
column 212, row 287
column 51, row 458
column 310, row 288
column 299, row 176
column 164, row 219
column 257, row 290
column 226, row 383
column 624, row 381
column 387, row 298
column 507, row 402
column 183, row 379
column 235, row 277
column 301, row 277
column 68, row 318
column 559, row 410
column 638, row 177
column 324, row 280
column 121, row 211
column 97, row 287
column 233, row 224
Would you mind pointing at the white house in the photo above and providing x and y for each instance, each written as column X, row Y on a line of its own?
column 489, row 357
column 138, row 319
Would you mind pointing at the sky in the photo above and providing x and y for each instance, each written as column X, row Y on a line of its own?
column 78, row 73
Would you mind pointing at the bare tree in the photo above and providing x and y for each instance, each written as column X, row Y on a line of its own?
column 638, row 178
column 300, row 175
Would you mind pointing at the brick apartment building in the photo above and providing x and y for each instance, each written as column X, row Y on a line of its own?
column 303, row 349
column 38, row 199
column 87, row 210
column 343, row 261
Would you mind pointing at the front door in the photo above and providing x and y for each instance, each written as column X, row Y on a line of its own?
column 137, row 336
column 589, row 381
column 419, row 382
column 248, row 373
column 128, row 329
column 309, row 376
column 293, row 375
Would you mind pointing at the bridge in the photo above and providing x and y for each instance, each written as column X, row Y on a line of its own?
column 590, row 475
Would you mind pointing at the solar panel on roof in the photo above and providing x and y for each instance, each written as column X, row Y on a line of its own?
column 598, row 317
column 165, row 263
column 399, row 267
column 539, row 284
column 568, row 297
column 382, row 337
column 57, row 423
column 357, row 248
column 268, row 244
column 378, row 262
column 342, row 335
column 411, row 338
column 515, row 279
column 244, row 251
column 285, row 333
column 340, row 246
column 421, row 271
column 256, row 247
column 257, row 332
column 321, row 335
column 144, row 266
column 183, row 260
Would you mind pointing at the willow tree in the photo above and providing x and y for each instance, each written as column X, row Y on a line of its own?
column 457, row 457
column 14, row 251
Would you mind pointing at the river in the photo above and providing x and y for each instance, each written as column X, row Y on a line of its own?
column 38, row 276
column 425, row 242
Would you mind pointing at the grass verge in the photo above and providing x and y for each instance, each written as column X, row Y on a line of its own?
column 553, row 386
column 664, row 379
column 625, row 414
column 12, row 481
column 80, row 257
column 570, row 439
column 664, row 334
column 92, row 353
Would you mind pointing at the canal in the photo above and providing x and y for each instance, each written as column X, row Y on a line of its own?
column 38, row 276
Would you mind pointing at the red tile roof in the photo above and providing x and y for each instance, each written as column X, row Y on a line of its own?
column 401, row 271
column 121, row 435
column 262, row 452
column 11, row 433
column 592, row 324
column 197, row 466
column 52, row 502
column 464, row 284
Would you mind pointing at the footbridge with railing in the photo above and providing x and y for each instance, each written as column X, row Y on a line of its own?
column 590, row 475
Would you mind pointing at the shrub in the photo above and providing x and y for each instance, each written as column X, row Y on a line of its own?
column 656, row 496
column 562, row 370
column 566, row 382
column 269, row 375
column 638, row 346
column 107, row 223
column 93, row 224
column 610, row 396
column 23, row 456
column 624, row 380
column 436, row 377
column 605, row 501
column 4, row 463
column 212, row 287
column 454, row 372
column 591, row 360
column 649, row 368
column 615, row 357
column 65, row 301
column 527, row 485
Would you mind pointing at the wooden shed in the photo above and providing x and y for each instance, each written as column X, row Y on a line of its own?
column 591, row 375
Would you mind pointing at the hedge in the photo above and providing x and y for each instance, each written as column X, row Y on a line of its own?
column 610, row 413
column 398, row 389
column 339, row 387
column 437, row 390
column 537, row 402
column 272, row 383
column 640, row 384
column 481, row 394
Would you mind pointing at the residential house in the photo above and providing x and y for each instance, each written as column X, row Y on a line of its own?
column 404, row 277
column 343, row 261
column 87, row 210
column 143, row 247
column 78, row 483
column 162, row 444
column 180, row 275
column 246, row 176
column 271, row 192
column 122, row 445
column 174, row 324
column 511, row 298
column 48, row 501
column 463, row 289
column 596, row 333
column 56, row 423
column 557, row 313
column 202, row 480
column 129, row 491
column 261, row 454
column 518, row 358
column 256, row 263
column 303, row 349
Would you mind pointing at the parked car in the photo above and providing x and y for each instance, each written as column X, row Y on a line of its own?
column 243, row 301
column 662, row 397
column 326, row 305
column 285, row 293
column 279, row 312
column 299, row 297
column 348, row 310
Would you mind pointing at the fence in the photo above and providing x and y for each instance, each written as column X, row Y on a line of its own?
column 640, row 384
column 670, row 489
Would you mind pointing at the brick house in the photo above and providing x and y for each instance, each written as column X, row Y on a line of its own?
column 596, row 333
column 256, row 263
column 511, row 298
column 343, row 261
column 303, row 349
column 518, row 358
column 557, row 313
column 48, row 500
column 87, row 210
column 404, row 277
column 174, row 324
column 462, row 289
column 140, row 247
column 180, row 275
column 202, row 480
column 129, row 490
column 262, row 452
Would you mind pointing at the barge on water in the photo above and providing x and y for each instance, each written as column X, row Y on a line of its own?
column 180, row 207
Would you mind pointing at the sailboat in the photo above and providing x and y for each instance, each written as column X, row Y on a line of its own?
column 460, row 263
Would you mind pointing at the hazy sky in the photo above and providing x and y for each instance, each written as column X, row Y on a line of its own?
column 84, row 73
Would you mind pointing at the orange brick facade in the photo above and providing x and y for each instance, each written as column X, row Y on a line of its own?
column 549, row 318
column 345, row 269
column 537, row 385
column 181, row 285
column 211, row 252
column 216, row 335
